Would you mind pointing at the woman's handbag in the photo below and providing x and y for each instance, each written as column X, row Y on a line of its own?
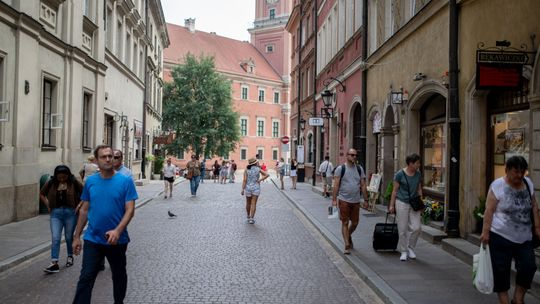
column 416, row 202
column 189, row 175
column 535, row 239
column 483, row 271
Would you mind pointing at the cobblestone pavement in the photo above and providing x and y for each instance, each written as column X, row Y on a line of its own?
column 208, row 254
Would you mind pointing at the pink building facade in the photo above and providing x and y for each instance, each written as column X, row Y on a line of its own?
column 259, row 93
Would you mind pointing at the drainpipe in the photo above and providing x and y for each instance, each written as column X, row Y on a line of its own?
column 298, row 85
column 363, row 117
column 314, row 33
column 143, row 164
column 454, row 125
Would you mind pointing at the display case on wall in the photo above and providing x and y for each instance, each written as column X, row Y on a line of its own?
column 433, row 159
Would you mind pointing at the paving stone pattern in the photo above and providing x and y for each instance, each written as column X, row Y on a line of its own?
column 207, row 254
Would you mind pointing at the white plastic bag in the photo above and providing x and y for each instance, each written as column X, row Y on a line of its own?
column 334, row 213
column 482, row 271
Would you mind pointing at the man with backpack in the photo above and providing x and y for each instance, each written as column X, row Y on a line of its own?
column 350, row 189
column 325, row 169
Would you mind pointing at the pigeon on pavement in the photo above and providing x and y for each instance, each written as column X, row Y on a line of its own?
column 171, row 214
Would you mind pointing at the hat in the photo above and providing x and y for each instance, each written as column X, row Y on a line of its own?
column 252, row 161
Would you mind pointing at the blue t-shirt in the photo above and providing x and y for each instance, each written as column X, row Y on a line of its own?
column 402, row 193
column 107, row 205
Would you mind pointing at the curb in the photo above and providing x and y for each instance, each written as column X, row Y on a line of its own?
column 379, row 286
column 43, row 247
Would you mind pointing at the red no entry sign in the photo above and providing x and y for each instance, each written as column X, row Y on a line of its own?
column 285, row 139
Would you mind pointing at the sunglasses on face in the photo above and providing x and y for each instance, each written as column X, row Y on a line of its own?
column 117, row 157
column 350, row 154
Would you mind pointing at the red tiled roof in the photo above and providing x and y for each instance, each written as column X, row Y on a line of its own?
column 228, row 53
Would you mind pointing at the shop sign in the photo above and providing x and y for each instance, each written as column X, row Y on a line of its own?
column 500, row 69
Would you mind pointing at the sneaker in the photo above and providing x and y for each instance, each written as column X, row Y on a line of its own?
column 251, row 221
column 165, row 196
column 403, row 257
column 412, row 255
column 69, row 261
column 53, row 268
column 347, row 251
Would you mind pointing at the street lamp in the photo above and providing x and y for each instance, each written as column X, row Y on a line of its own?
column 328, row 98
column 302, row 124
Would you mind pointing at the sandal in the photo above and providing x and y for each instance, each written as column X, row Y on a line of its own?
column 69, row 262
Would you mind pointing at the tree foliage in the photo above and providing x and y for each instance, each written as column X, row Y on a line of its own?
column 197, row 106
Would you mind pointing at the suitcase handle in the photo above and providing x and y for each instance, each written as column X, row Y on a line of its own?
column 386, row 222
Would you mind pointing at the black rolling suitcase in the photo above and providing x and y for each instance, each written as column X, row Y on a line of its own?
column 385, row 236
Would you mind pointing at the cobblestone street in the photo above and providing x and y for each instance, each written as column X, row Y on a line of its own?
column 208, row 254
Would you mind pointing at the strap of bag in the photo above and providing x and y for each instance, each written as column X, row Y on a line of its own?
column 326, row 168
column 407, row 180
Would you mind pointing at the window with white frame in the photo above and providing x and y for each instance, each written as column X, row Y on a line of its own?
column 272, row 13
column 243, row 126
column 269, row 48
column 119, row 39
column 276, row 97
column 127, row 60
column 275, row 153
column 261, row 95
column 260, row 152
column 260, row 127
column 87, row 8
column 244, row 92
column 226, row 156
column 86, row 120
column 50, row 119
column 109, row 29
column 135, row 66
column 357, row 14
column 243, row 153
column 275, row 128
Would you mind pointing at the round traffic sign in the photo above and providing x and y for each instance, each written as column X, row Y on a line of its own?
column 285, row 139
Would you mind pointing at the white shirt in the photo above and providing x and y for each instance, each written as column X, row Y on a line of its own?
column 169, row 170
column 326, row 167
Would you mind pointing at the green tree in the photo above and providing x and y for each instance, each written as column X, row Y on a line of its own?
column 197, row 105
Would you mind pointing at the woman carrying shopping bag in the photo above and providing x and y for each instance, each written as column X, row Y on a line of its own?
column 510, row 219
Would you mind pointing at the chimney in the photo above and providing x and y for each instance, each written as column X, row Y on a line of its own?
column 190, row 24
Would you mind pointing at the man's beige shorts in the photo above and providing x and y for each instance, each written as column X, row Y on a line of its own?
column 327, row 181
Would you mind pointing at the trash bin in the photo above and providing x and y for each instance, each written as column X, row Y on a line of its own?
column 44, row 178
column 301, row 174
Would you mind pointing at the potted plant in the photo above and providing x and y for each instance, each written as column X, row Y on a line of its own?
column 158, row 167
column 478, row 213
column 388, row 192
column 434, row 211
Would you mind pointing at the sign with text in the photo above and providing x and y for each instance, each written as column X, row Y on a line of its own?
column 501, row 76
column 300, row 153
column 285, row 148
column 316, row 122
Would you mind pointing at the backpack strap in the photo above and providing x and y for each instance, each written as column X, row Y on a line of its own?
column 342, row 173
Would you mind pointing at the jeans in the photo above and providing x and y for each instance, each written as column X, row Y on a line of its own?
column 203, row 172
column 62, row 218
column 194, row 184
column 93, row 254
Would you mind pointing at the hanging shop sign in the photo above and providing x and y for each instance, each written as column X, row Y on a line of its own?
column 500, row 67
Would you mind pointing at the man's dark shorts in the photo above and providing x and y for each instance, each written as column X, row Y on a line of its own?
column 169, row 179
column 349, row 211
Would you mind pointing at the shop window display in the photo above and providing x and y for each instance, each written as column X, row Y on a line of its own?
column 434, row 164
column 510, row 137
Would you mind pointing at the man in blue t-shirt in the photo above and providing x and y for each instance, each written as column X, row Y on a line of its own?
column 108, row 204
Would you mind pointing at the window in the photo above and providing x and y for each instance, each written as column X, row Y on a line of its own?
column 244, row 93
column 243, row 126
column 109, row 29
column 275, row 129
column 310, row 148
column 119, row 39
column 226, row 156
column 134, row 66
column 261, row 95
column 275, row 154
column 50, row 118
column 260, row 128
column 128, row 50
column 276, row 97
column 272, row 13
column 87, row 8
column 260, row 152
column 243, row 153
column 108, row 130
column 269, row 48
column 86, row 108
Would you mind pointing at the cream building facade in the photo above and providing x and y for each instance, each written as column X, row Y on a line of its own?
column 408, row 96
column 61, row 86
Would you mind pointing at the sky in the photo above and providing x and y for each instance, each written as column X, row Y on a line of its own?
column 229, row 18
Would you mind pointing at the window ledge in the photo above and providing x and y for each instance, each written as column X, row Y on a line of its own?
column 48, row 148
column 87, row 149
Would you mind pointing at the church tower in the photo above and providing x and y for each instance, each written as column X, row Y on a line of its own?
column 269, row 35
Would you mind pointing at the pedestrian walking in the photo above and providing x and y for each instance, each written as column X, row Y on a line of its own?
column 118, row 163
column 407, row 185
column 89, row 168
column 294, row 164
column 325, row 169
column 216, row 168
column 108, row 207
column 280, row 169
column 61, row 194
column 511, row 214
column 203, row 169
column 169, row 175
column 194, row 169
column 350, row 190
column 232, row 171
column 251, row 187
column 223, row 172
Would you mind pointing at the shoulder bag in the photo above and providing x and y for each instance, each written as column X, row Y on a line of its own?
column 416, row 202
column 325, row 169
column 535, row 239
